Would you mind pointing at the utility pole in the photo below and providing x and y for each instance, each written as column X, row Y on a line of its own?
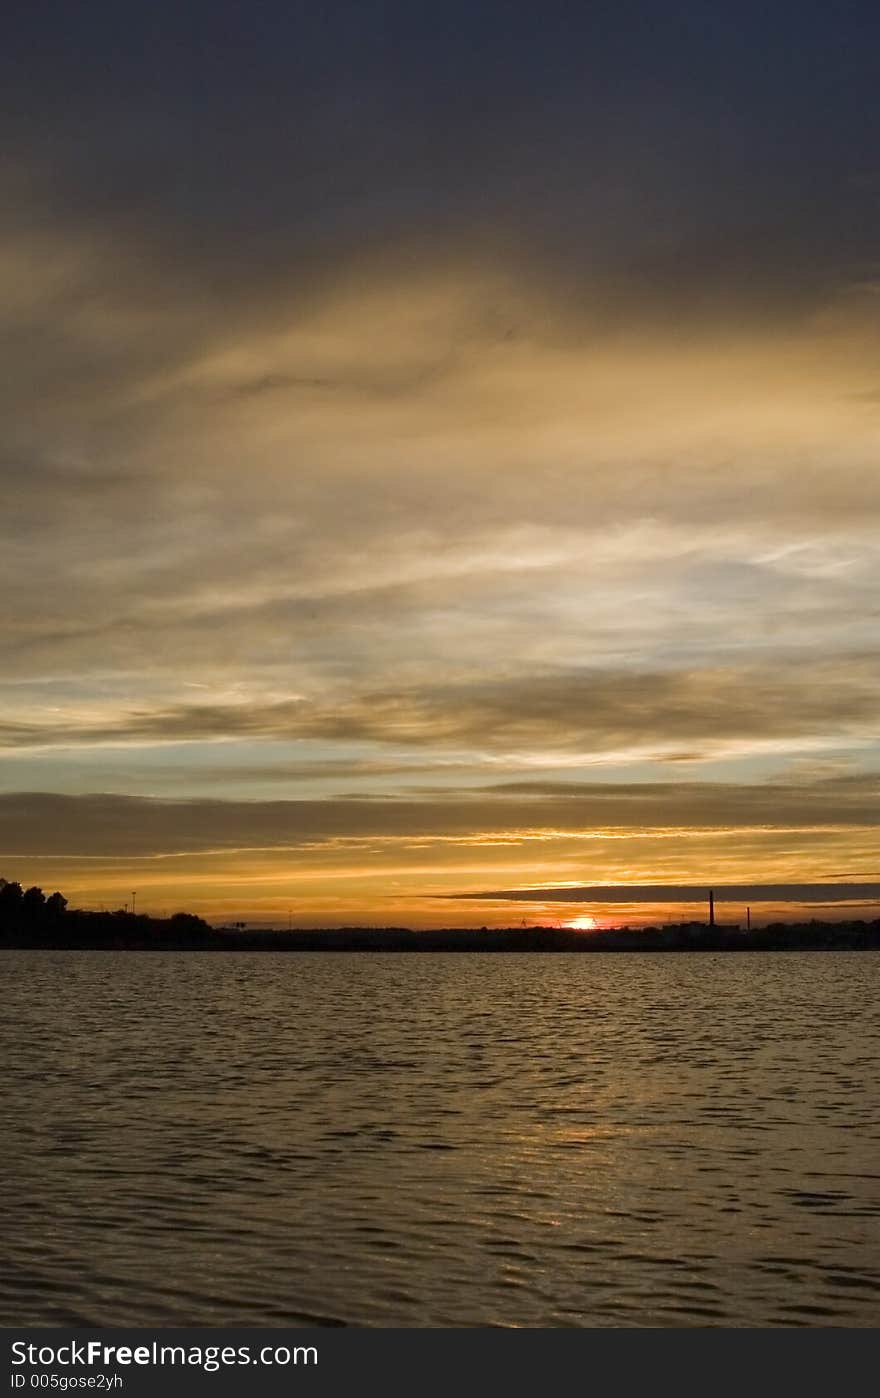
column 133, row 897
column 711, row 907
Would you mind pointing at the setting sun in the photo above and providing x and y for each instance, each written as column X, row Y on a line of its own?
column 583, row 924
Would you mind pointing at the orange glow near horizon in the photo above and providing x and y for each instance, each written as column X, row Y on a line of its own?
column 584, row 923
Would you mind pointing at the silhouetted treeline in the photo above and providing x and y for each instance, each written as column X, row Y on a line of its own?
column 30, row 919
column 814, row 936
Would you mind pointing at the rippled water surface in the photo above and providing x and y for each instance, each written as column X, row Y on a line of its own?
column 440, row 1140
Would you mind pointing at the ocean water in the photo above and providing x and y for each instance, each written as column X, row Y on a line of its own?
column 440, row 1140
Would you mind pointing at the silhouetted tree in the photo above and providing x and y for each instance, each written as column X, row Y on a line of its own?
column 189, row 925
column 33, row 904
column 10, row 898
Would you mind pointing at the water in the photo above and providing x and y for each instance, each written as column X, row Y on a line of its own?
column 440, row 1140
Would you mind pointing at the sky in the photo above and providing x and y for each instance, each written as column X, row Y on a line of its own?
column 440, row 457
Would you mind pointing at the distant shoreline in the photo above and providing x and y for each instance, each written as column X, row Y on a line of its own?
column 102, row 932
column 28, row 919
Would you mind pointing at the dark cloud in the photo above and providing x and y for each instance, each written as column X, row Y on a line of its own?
column 583, row 711
column 683, row 156
column 809, row 894
column 110, row 826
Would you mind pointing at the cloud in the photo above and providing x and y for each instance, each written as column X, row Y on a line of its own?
column 104, row 826
column 685, row 163
column 669, row 714
column 834, row 894
column 489, row 475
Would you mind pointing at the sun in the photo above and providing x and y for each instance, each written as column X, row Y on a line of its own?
column 584, row 923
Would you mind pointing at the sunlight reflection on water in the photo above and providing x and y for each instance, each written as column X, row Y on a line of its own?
column 440, row 1139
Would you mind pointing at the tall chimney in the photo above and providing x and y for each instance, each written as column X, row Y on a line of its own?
column 711, row 907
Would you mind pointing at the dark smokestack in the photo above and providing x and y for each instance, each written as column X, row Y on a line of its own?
column 711, row 907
